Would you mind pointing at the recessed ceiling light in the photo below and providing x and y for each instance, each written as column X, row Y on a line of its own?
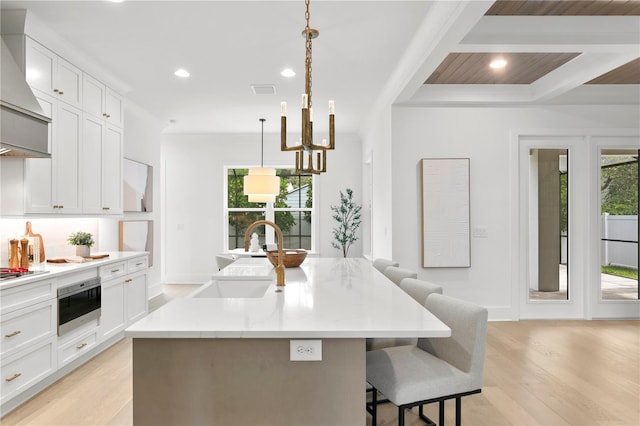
column 287, row 72
column 498, row 64
column 182, row 73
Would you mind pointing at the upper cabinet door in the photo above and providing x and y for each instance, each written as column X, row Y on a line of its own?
column 114, row 108
column 102, row 102
column 93, row 96
column 52, row 74
column 40, row 65
column 69, row 83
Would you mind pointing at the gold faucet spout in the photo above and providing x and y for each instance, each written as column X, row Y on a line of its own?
column 280, row 267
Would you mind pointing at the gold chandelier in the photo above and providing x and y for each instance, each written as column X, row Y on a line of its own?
column 306, row 148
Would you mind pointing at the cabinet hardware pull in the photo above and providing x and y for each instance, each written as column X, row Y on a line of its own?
column 55, row 90
column 60, row 92
column 139, row 263
column 15, row 333
column 81, row 346
column 12, row 378
column 105, row 208
column 128, row 280
column 104, row 114
column 113, row 271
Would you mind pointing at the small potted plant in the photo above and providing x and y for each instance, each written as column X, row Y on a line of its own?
column 83, row 242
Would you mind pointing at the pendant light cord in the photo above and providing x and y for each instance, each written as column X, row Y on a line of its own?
column 262, row 144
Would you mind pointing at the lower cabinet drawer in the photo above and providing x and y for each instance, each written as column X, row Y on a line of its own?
column 26, row 326
column 137, row 264
column 77, row 347
column 26, row 368
column 112, row 270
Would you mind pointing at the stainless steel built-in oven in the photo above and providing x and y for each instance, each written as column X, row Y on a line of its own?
column 78, row 303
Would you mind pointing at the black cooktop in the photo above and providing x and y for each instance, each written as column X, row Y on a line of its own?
column 7, row 273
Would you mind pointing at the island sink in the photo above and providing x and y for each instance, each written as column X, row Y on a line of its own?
column 233, row 289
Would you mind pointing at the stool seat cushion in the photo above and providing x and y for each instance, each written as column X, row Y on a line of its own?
column 406, row 374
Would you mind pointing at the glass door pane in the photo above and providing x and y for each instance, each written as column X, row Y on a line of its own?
column 619, row 224
column 548, row 224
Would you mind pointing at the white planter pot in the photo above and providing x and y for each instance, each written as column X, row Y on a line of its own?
column 83, row 251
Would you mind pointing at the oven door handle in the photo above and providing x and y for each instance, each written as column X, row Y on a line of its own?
column 75, row 289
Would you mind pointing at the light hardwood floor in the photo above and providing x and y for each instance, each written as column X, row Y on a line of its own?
column 536, row 373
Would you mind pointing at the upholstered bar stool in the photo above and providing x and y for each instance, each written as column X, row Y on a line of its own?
column 397, row 274
column 419, row 289
column 381, row 264
column 436, row 369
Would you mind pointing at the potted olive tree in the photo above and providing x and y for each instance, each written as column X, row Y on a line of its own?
column 347, row 214
column 83, row 242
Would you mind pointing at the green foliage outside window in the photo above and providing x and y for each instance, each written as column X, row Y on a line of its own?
column 619, row 186
column 239, row 221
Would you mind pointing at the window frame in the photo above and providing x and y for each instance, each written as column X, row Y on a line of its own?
column 269, row 210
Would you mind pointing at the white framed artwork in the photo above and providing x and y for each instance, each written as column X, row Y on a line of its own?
column 445, row 213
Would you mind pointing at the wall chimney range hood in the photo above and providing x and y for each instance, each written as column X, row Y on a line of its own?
column 24, row 130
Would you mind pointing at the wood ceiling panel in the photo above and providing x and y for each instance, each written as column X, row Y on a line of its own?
column 473, row 68
column 626, row 74
column 565, row 8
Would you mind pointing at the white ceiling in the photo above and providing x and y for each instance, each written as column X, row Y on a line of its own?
column 369, row 53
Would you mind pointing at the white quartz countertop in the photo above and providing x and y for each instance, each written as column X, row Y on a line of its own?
column 325, row 297
column 47, row 270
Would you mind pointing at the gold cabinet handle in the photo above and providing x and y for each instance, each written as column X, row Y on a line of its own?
column 60, row 92
column 104, row 114
column 106, row 208
column 113, row 271
column 81, row 346
column 12, row 378
column 55, row 90
column 128, row 280
column 15, row 333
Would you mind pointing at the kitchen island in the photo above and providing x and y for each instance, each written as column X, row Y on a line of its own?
column 224, row 358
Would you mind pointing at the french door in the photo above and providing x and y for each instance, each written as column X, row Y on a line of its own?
column 577, row 227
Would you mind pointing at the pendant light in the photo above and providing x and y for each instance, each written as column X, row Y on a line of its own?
column 261, row 184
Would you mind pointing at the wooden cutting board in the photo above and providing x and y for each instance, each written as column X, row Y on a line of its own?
column 67, row 260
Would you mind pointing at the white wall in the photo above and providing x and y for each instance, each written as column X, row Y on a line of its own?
column 483, row 135
column 377, row 149
column 192, row 194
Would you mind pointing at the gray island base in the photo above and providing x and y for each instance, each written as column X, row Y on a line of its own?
column 246, row 382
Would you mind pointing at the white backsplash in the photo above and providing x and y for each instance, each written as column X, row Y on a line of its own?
column 54, row 234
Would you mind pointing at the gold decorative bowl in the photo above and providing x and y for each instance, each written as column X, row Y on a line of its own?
column 292, row 257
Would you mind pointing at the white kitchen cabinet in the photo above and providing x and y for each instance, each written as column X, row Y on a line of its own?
column 53, row 185
column 102, row 102
column 77, row 347
column 136, row 296
column 124, row 295
column 28, row 326
column 102, row 167
column 112, row 315
column 52, row 74
column 26, row 368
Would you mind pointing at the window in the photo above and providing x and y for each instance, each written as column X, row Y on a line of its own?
column 292, row 211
